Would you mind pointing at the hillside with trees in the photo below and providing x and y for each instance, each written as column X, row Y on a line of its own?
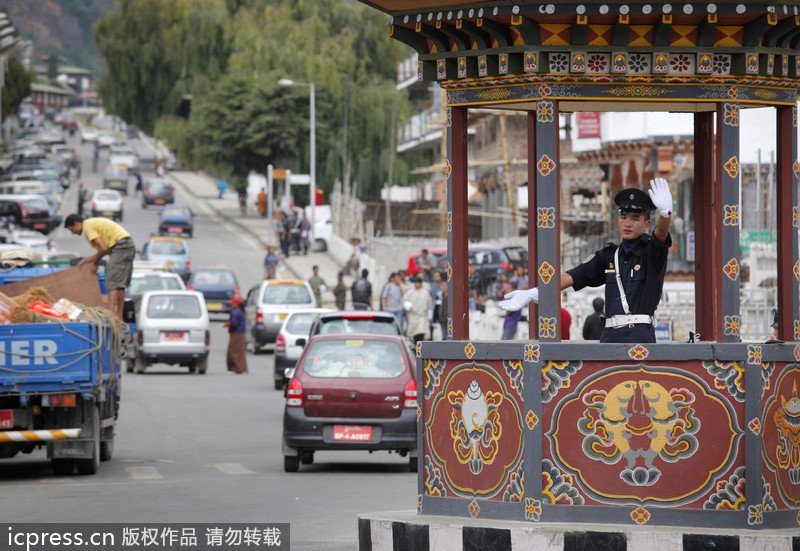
column 62, row 27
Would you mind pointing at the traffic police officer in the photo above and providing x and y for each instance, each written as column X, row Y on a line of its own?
column 633, row 271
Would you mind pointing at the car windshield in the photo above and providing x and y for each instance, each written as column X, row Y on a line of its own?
column 141, row 285
column 215, row 277
column 121, row 150
column 354, row 358
column 300, row 323
column 286, row 294
column 116, row 173
column 167, row 247
column 154, row 186
column 173, row 306
column 36, row 204
column 106, row 196
column 372, row 326
column 174, row 212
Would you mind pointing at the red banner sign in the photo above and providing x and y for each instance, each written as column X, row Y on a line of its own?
column 589, row 125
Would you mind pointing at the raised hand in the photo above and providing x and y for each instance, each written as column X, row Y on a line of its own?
column 517, row 300
column 661, row 196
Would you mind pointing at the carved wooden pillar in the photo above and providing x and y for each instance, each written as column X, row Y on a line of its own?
column 707, row 267
column 547, row 219
column 728, row 210
column 788, row 211
column 457, row 223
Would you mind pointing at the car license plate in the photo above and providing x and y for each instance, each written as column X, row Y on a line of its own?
column 173, row 335
column 39, row 226
column 6, row 419
column 214, row 306
column 174, row 229
column 352, row 433
column 159, row 201
column 282, row 316
column 108, row 213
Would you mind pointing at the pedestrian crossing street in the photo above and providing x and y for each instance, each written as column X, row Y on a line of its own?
column 152, row 473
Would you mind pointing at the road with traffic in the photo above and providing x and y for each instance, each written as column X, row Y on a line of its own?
column 205, row 448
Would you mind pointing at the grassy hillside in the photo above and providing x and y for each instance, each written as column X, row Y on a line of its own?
column 63, row 27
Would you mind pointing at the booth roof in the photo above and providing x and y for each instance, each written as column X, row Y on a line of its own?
column 405, row 6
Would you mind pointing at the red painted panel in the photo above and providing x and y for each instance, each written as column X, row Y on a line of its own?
column 473, row 430
column 641, row 433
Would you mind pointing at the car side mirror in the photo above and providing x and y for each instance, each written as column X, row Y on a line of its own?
column 300, row 342
column 288, row 373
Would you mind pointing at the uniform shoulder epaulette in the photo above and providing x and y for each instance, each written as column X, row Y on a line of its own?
column 611, row 245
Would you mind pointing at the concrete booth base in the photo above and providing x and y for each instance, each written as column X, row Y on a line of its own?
column 407, row 531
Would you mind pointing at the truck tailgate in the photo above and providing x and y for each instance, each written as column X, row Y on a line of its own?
column 45, row 357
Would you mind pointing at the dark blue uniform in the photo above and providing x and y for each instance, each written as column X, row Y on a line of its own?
column 643, row 264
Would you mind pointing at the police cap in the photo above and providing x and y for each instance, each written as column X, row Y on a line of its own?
column 634, row 200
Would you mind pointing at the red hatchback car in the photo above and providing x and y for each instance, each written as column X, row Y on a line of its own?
column 351, row 392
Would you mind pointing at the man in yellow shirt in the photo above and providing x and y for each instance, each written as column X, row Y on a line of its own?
column 108, row 238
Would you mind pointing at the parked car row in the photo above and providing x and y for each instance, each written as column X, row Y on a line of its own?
column 33, row 175
column 490, row 260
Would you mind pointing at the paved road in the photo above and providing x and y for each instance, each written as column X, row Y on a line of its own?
column 192, row 448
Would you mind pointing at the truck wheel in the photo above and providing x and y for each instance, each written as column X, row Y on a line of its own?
column 291, row 463
column 192, row 367
column 62, row 467
column 202, row 365
column 107, row 449
column 278, row 384
column 306, row 457
column 412, row 464
column 91, row 464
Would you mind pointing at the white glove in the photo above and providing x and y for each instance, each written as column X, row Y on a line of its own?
column 661, row 196
column 517, row 300
column 323, row 288
column 407, row 305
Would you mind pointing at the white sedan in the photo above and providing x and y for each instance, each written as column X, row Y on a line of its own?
column 123, row 154
column 108, row 203
column 106, row 140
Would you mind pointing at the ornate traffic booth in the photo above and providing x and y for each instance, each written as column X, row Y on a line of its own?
column 704, row 434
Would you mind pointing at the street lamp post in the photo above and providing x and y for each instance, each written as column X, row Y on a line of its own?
column 312, row 148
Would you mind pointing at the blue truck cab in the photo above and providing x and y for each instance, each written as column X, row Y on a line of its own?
column 59, row 388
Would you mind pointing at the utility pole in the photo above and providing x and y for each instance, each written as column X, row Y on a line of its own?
column 345, row 125
column 387, row 223
column 759, row 214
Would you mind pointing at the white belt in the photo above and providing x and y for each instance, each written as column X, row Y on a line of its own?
column 629, row 319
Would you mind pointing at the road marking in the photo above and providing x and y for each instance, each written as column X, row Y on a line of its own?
column 144, row 473
column 232, row 468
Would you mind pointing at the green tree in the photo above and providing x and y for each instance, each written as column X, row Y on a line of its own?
column 345, row 50
column 17, row 86
column 243, row 124
column 156, row 51
column 230, row 54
